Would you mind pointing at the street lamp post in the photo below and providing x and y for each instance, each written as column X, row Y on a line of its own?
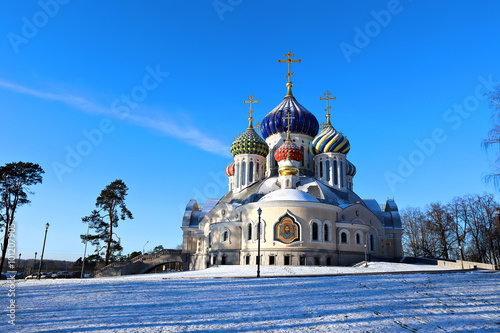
column 34, row 264
column 366, row 255
column 85, row 251
column 259, row 211
column 144, row 247
column 43, row 250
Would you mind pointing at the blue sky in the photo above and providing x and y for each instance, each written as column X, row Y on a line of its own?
column 151, row 93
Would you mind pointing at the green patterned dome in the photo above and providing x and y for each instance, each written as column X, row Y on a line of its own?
column 249, row 143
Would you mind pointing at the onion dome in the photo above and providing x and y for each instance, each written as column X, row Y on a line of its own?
column 230, row 170
column 249, row 143
column 329, row 140
column 302, row 120
column 288, row 150
column 351, row 169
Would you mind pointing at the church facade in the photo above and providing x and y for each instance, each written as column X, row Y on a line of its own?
column 290, row 191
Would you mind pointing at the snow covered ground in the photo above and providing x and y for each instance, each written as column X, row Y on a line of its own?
column 195, row 302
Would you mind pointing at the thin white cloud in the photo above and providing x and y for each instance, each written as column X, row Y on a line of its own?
column 189, row 134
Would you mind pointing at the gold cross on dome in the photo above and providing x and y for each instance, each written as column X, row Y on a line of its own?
column 323, row 125
column 236, row 137
column 328, row 107
column 289, row 119
column 257, row 127
column 251, row 101
column 289, row 55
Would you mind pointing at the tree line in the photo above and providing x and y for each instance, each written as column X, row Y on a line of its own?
column 466, row 228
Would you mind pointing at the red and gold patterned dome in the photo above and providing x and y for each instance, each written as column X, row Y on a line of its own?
column 230, row 170
column 288, row 150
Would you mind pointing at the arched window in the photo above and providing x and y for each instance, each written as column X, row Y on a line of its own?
column 341, row 174
column 209, row 239
column 327, row 170
column 326, row 233
column 314, row 231
column 358, row 238
column 308, row 159
column 249, row 231
column 237, row 175
column 250, row 172
column 257, row 171
column 343, row 237
column 335, row 173
column 243, row 173
column 372, row 243
column 225, row 236
column 302, row 162
column 320, row 169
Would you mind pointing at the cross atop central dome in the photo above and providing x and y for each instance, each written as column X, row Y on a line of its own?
column 303, row 121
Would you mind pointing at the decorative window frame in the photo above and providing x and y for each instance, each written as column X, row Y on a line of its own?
column 320, row 230
column 330, row 231
column 348, row 236
column 375, row 242
column 361, row 236
column 228, row 241
column 245, row 233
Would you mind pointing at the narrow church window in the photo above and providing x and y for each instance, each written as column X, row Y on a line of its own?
column 250, row 172
column 327, row 170
column 287, row 260
column 343, row 237
column 372, row 245
column 308, row 159
column 271, row 260
column 257, row 171
column 249, row 231
column 326, row 233
column 320, row 169
column 247, row 260
column 243, row 173
column 237, row 175
column 302, row 162
column 335, row 174
column 209, row 239
column 223, row 260
column 314, row 231
column 225, row 236
column 358, row 239
column 341, row 174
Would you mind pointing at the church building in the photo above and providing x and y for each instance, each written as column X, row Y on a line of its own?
column 290, row 198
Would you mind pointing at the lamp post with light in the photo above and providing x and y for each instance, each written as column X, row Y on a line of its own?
column 47, row 225
column 259, row 211
column 34, row 264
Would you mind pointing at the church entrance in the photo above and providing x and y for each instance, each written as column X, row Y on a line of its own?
column 287, row 260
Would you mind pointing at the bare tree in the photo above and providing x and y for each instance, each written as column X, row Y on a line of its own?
column 439, row 223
